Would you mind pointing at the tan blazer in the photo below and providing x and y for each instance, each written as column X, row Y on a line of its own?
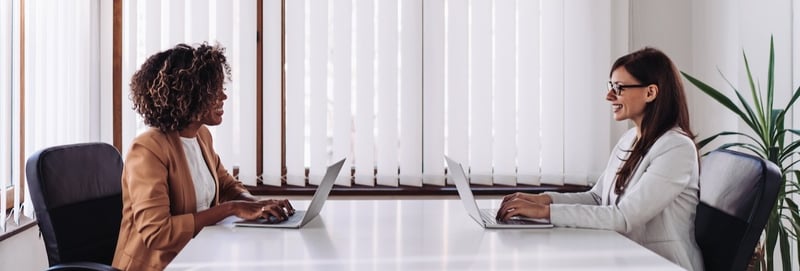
column 158, row 198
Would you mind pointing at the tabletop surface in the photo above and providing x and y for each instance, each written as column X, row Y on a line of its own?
column 409, row 235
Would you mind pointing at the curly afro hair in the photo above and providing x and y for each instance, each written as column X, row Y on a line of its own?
column 175, row 87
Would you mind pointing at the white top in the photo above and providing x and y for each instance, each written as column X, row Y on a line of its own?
column 658, row 207
column 410, row 234
column 201, row 176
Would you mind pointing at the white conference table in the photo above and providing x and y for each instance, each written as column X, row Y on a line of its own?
column 409, row 235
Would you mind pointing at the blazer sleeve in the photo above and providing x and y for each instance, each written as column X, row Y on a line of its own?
column 591, row 197
column 229, row 187
column 147, row 183
column 663, row 179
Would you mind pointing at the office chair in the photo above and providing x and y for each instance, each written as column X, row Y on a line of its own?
column 77, row 196
column 737, row 193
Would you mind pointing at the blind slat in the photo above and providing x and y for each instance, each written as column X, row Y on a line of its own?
column 552, row 95
column 364, row 140
column 387, row 141
column 6, row 64
column 588, row 58
column 318, row 118
column 16, row 148
column 342, row 87
column 410, row 111
column 457, row 85
column 295, row 90
column 528, row 102
column 433, row 94
column 505, row 95
column 481, row 93
column 243, row 135
column 272, row 92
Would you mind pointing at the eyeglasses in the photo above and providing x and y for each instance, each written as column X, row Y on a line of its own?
column 617, row 87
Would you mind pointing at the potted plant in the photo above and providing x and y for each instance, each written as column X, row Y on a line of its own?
column 768, row 139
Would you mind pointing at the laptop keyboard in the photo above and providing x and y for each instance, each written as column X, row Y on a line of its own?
column 488, row 216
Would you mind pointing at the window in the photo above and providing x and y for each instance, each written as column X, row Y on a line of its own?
column 52, row 71
column 395, row 94
column 509, row 88
column 10, row 92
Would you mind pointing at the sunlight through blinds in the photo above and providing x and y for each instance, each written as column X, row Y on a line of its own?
column 151, row 26
column 6, row 104
column 512, row 89
column 346, row 93
column 62, row 81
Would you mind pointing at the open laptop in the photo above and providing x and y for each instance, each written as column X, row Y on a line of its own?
column 300, row 218
column 486, row 217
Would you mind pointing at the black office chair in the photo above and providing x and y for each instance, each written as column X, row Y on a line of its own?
column 737, row 193
column 77, row 195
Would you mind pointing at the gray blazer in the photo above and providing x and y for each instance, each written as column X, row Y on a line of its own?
column 657, row 209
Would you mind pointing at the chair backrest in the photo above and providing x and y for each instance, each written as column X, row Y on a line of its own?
column 77, row 196
column 737, row 194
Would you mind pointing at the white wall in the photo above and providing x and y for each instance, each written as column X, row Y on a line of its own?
column 705, row 38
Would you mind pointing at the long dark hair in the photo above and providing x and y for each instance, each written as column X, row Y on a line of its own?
column 668, row 110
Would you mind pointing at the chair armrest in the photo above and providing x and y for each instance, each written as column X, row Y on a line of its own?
column 82, row 266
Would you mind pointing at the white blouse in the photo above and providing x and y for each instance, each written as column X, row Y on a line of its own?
column 201, row 176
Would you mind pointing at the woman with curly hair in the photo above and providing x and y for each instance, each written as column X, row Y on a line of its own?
column 173, row 182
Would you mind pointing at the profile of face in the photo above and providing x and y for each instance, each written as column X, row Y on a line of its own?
column 628, row 96
column 213, row 116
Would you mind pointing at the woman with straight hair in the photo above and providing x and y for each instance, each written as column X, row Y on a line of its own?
column 649, row 190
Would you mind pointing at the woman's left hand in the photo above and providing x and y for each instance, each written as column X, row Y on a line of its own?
column 521, row 207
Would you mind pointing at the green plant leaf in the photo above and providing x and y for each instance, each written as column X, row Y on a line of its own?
column 752, row 148
column 707, row 140
column 720, row 98
column 786, row 261
column 771, row 231
column 771, row 73
column 759, row 125
column 786, row 168
column 791, row 102
column 755, row 93
column 789, row 150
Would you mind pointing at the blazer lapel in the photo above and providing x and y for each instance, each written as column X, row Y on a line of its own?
column 206, row 149
column 183, row 176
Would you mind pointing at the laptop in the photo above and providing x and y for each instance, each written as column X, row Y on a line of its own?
column 486, row 217
column 300, row 218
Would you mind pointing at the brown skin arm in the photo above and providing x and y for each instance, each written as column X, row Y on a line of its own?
column 246, row 206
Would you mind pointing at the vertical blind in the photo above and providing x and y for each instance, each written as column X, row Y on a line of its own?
column 9, row 92
column 512, row 89
column 151, row 26
column 62, row 88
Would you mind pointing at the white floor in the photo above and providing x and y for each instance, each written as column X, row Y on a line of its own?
column 23, row 251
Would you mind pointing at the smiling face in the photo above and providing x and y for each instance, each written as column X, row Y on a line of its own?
column 213, row 116
column 631, row 102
